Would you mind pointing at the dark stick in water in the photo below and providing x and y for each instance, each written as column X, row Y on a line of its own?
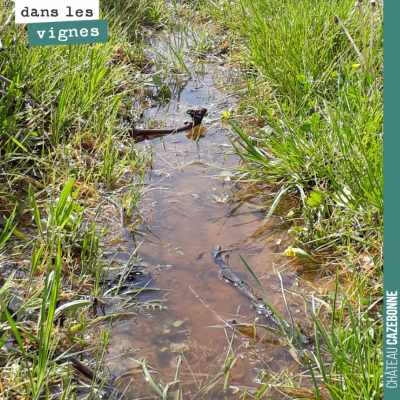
column 256, row 301
column 197, row 118
column 83, row 369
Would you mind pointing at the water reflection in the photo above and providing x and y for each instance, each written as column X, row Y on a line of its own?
column 191, row 206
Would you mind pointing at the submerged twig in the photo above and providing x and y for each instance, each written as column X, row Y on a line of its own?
column 200, row 256
column 197, row 118
column 83, row 369
column 275, row 322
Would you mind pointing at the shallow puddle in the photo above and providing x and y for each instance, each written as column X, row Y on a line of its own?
column 191, row 205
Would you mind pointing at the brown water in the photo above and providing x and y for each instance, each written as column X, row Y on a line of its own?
column 192, row 204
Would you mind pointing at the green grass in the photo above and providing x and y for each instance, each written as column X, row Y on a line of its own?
column 58, row 235
column 64, row 145
column 76, row 123
column 354, row 368
column 322, row 112
column 347, row 361
column 62, row 117
column 321, row 143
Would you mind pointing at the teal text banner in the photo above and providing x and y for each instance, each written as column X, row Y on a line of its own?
column 391, row 213
column 68, row 32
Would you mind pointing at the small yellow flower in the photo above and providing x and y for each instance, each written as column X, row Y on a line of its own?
column 355, row 66
column 289, row 252
column 290, row 214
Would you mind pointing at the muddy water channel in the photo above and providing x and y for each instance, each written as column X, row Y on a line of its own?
column 192, row 202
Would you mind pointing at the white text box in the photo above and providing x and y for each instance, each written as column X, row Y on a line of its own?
column 31, row 11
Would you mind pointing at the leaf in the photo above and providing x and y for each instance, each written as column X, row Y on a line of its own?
column 218, row 326
column 220, row 199
column 18, row 143
column 373, row 127
column 35, row 210
column 299, row 253
column 371, row 332
column 315, row 119
column 6, row 284
column 297, row 355
column 150, row 380
column 369, row 79
column 31, row 306
column 316, row 199
column 209, row 386
column 177, row 323
column 165, row 391
column 18, row 339
column 63, row 199
column 8, row 230
column 165, row 91
column 3, row 339
column 157, row 79
column 176, row 383
column 277, row 199
column 305, row 127
column 301, row 78
column 72, row 306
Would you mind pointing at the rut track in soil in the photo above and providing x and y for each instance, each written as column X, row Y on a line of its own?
column 194, row 202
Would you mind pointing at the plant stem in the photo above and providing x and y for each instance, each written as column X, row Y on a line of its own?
column 371, row 39
column 363, row 32
column 337, row 20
